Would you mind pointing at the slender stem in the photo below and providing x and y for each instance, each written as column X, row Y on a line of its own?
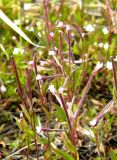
column 16, row 74
column 85, row 91
column 102, row 113
column 69, row 45
column 28, row 84
column 45, row 4
column 114, row 75
column 51, row 130
column 60, row 47
column 83, row 96
column 35, row 70
column 22, row 98
column 66, row 112
column 35, row 135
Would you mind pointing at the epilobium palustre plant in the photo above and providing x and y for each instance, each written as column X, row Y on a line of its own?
column 55, row 122
column 55, row 94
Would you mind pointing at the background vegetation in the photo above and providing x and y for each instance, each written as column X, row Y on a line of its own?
column 73, row 37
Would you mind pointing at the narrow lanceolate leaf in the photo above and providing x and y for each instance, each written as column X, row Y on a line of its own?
column 16, row 28
column 61, row 153
column 107, row 108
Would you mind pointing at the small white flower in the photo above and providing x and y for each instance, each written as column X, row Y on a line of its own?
column 83, row 34
column 43, row 63
column 52, row 89
column 89, row 28
column 27, row 6
column 67, row 28
column 93, row 122
column 38, row 129
column 106, row 46
column 51, row 53
column 38, row 77
column 21, row 115
column 3, row 89
column 31, row 63
column 39, row 34
column 18, row 50
column 101, row 45
column 105, row 30
column 99, row 66
column 31, row 29
column 61, row 89
column 14, row 37
column 60, row 24
column 51, row 34
column 109, row 65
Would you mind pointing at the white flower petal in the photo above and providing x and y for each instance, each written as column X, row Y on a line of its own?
column 106, row 46
column 93, row 122
column 3, row 89
column 105, row 30
column 99, row 65
column 109, row 65
column 52, row 89
column 38, row 77
column 89, row 28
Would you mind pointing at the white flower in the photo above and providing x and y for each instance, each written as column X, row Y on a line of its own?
column 27, row 6
column 109, row 65
column 14, row 37
column 51, row 34
column 51, row 53
column 38, row 77
column 38, row 129
column 31, row 63
column 101, row 45
column 31, row 29
column 39, row 34
column 67, row 28
column 89, row 28
column 105, row 30
column 18, row 50
column 61, row 89
column 106, row 46
column 60, row 24
column 3, row 89
column 21, row 115
column 99, row 66
column 93, row 122
column 52, row 89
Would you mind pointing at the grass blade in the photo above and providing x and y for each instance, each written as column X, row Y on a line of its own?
column 16, row 28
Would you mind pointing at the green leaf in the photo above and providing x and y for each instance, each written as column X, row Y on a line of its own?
column 77, row 77
column 60, row 114
column 68, row 143
column 26, row 113
column 16, row 28
column 63, row 154
column 113, row 154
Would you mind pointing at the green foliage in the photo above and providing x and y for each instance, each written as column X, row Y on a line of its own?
column 87, row 37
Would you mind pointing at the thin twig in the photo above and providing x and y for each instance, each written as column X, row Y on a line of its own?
column 114, row 74
column 16, row 74
column 66, row 112
column 85, row 91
